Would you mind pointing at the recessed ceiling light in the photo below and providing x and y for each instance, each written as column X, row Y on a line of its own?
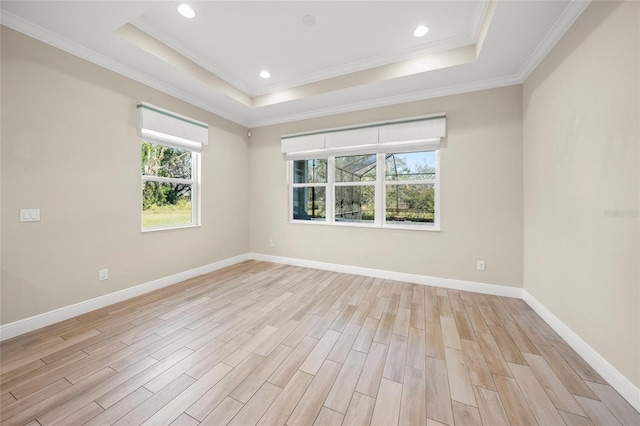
column 421, row 31
column 265, row 74
column 186, row 11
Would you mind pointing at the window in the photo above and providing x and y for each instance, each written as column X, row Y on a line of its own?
column 170, row 168
column 376, row 174
column 410, row 188
column 403, row 193
column 354, row 188
column 309, row 190
column 168, row 186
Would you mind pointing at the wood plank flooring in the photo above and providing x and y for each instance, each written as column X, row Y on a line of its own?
column 260, row 343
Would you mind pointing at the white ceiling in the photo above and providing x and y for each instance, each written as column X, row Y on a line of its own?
column 359, row 54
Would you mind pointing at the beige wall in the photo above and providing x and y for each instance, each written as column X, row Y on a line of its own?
column 481, row 196
column 581, row 158
column 70, row 147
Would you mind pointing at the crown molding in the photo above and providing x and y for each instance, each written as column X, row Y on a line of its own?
column 391, row 100
column 48, row 37
column 366, row 64
column 324, row 74
column 562, row 24
column 479, row 17
column 186, row 51
column 553, row 36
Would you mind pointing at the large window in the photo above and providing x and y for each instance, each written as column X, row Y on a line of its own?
column 170, row 168
column 394, row 190
column 169, row 194
column 383, row 174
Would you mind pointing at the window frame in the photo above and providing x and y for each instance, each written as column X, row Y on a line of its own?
column 380, row 185
column 195, row 183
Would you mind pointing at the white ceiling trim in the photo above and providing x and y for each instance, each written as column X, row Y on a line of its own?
column 562, row 24
column 367, row 64
column 37, row 32
column 479, row 19
column 189, row 53
column 392, row 100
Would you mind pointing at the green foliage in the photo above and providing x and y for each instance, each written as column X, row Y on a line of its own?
column 168, row 162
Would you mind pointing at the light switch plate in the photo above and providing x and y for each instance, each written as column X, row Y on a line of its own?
column 29, row 215
column 103, row 274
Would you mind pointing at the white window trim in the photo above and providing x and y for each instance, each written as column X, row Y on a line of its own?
column 195, row 193
column 380, row 185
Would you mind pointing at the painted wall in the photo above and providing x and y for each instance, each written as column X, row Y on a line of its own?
column 481, row 196
column 581, row 182
column 70, row 147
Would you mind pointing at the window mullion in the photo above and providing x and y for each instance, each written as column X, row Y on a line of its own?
column 436, row 211
column 380, row 190
column 330, row 201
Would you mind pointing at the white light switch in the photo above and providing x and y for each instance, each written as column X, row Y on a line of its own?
column 103, row 274
column 29, row 215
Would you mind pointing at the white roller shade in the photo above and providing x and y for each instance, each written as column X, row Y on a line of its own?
column 297, row 144
column 353, row 137
column 159, row 125
column 418, row 130
column 408, row 135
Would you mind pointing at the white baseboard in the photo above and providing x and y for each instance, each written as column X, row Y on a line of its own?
column 26, row 325
column 495, row 290
column 616, row 379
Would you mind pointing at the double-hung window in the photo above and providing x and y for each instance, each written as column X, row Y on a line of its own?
column 410, row 188
column 355, row 188
column 170, row 168
column 309, row 189
column 379, row 175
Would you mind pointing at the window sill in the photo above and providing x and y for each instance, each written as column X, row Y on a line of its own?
column 168, row 228
column 422, row 228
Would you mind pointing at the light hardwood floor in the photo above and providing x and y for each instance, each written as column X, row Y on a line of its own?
column 259, row 343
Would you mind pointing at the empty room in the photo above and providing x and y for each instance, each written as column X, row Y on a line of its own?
column 320, row 212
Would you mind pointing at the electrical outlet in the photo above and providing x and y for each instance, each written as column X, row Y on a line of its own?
column 480, row 265
column 272, row 242
column 103, row 274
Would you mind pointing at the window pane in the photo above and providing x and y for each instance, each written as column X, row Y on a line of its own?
column 411, row 166
column 355, row 203
column 310, row 171
column 356, row 168
column 165, row 161
column 410, row 204
column 309, row 203
column 166, row 204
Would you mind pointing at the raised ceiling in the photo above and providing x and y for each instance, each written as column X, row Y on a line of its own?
column 355, row 55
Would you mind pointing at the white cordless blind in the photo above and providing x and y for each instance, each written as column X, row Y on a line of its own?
column 158, row 125
column 408, row 135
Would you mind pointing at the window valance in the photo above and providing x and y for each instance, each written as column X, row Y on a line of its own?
column 406, row 135
column 158, row 125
